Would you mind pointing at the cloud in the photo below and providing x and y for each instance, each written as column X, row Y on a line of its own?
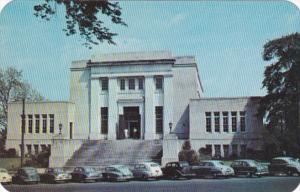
column 177, row 19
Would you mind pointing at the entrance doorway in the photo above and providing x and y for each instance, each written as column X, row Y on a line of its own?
column 130, row 123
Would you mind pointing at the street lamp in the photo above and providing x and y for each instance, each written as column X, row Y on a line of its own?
column 170, row 126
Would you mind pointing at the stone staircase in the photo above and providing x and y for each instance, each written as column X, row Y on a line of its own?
column 102, row 153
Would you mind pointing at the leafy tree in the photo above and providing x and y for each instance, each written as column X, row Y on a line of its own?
column 188, row 154
column 83, row 17
column 12, row 88
column 282, row 81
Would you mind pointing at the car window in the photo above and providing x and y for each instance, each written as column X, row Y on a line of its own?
column 184, row 164
column 278, row 161
column 3, row 171
column 236, row 163
column 174, row 165
column 169, row 165
column 201, row 164
column 209, row 164
column 245, row 164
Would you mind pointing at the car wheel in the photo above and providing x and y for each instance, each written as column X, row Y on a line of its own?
column 249, row 174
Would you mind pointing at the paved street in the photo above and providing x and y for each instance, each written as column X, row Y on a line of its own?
column 264, row 184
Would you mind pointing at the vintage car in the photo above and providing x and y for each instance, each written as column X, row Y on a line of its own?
column 117, row 173
column 212, row 169
column 26, row 175
column 249, row 168
column 86, row 174
column 55, row 175
column 176, row 170
column 146, row 171
column 284, row 165
column 5, row 178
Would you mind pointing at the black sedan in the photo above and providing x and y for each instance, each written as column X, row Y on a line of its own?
column 284, row 165
column 177, row 170
column 55, row 175
column 249, row 168
column 85, row 174
column 212, row 169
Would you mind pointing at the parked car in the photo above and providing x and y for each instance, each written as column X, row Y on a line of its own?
column 5, row 178
column 54, row 175
column 117, row 173
column 147, row 170
column 284, row 165
column 249, row 168
column 212, row 169
column 26, row 175
column 180, row 169
column 86, row 174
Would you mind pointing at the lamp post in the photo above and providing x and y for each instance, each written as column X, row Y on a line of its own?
column 22, row 131
column 170, row 126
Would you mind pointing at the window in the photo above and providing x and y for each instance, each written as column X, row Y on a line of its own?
column 234, row 149
column 226, row 151
column 51, row 123
column 37, row 123
column 159, row 82
column 71, row 130
column 141, row 84
column 29, row 150
column 104, row 120
column 233, row 121
column 225, row 121
column 44, row 147
column 242, row 119
column 217, row 121
column 243, row 150
column 104, row 84
column 131, row 84
column 29, row 123
column 217, row 150
column 36, row 149
column 122, row 84
column 44, row 123
column 159, row 119
column 208, row 149
column 208, row 121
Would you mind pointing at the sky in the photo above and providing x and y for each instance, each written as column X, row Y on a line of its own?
column 226, row 37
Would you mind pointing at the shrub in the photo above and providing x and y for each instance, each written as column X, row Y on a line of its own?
column 188, row 154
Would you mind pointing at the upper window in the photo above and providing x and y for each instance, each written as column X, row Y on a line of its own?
column 51, row 123
column 159, row 82
column 225, row 121
column 29, row 123
column 217, row 121
column 122, row 84
column 242, row 119
column 131, row 84
column 141, row 84
column 104, row 84
column 159, row 119
column 44, row 123
column 233, row 121
column 208, row 121
column 37, row 123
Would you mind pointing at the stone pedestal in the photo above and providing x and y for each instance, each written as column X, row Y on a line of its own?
column 171, row 148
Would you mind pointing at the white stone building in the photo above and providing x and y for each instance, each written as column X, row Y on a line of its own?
column 137, row 96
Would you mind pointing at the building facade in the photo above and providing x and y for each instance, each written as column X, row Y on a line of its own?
column 140, row 96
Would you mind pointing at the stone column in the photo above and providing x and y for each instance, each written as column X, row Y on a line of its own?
column 149, row 108
column 95, row 110
column 112, row 108
column 168, row 104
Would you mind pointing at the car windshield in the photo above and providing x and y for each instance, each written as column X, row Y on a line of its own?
column 3, row 171
column 110, row 169
column 89, row 169
column 154, row 165
column 218, row 163
column 184, row 164
column 30, row 171
column 252, row 163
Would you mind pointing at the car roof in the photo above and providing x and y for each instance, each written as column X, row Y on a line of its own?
column 247, row 160
column 283, row 158
column 117, row 166
column 147, row 163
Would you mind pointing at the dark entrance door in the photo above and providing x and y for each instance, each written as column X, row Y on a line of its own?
column 132, row 122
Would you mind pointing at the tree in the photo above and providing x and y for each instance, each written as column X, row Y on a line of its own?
column 188, row 154
column 82, row 16
column 12, row 88
column 282, row 80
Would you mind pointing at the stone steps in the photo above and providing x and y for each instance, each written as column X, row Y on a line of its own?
column 106, row 152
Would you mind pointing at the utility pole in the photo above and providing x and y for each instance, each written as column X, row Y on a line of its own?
column 23, row 131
